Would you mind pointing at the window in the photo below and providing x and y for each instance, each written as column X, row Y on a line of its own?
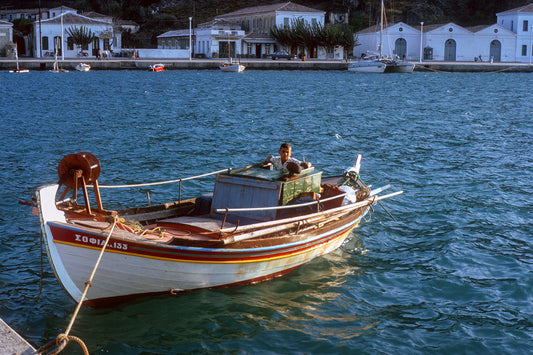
column 286, row 22
column 313, row 22
column 70, row 43
column 524, row 50
column 45, row 43
column 524, row 26
column 512, row 25
column 106, row 44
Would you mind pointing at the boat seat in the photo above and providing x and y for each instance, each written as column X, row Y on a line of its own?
column 202, row 223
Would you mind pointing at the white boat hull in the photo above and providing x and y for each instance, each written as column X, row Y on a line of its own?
column 367, row 67
column 83, row 67
column 233, row 68
column 138, row 267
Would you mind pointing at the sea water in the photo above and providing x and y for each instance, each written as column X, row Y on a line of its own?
column 453, row 273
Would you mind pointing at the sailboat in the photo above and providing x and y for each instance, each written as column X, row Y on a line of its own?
column 18, row 70
column 56, row 68
column 388, row 64
column 393, row 65
column 372, row 63
column 229, row 66
column 56, row 47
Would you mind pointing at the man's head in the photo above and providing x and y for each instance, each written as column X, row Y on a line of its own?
column 285, row 152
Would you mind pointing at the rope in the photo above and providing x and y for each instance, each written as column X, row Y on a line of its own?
column 63, row 338
column 160, row 182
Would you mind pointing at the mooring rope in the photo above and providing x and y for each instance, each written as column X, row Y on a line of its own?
column 63, row 338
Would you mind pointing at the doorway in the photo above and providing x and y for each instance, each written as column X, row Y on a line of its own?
column 450, row 51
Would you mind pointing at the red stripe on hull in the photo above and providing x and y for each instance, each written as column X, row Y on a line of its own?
column 81, row 238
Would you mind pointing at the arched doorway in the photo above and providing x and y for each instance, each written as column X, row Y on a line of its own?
column 450, row 51
column 496, row 50
column 400, row 47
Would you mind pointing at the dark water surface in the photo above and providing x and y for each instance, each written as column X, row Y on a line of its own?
column 454, row 274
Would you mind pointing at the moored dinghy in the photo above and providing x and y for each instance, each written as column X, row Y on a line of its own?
column 83, row 67
column 156, row 67
column 259, row 224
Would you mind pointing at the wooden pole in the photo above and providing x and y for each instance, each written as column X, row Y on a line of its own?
column 97, row 196
column 86, row 195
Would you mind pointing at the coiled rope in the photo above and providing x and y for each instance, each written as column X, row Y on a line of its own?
column 63, row 338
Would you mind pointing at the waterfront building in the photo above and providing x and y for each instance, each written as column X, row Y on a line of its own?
column 210, row 40
column 51, row 34
column 520, row 22
column 15, row 14
column 509, row 40
column 248, row 32
column 6, row 37
column 258, row 20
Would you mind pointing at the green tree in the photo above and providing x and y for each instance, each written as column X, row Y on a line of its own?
column 81, row 36
column 303, row 36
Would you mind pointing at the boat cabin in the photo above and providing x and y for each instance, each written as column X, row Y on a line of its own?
column 260, row 188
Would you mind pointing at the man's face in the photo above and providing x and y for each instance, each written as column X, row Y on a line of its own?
column 285, row 154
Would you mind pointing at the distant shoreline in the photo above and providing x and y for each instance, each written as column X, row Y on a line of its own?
column 251, row 64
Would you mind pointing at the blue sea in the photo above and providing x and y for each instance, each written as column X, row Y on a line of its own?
column 452, row 274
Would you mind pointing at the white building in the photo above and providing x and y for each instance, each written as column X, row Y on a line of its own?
column 257, row 21
column 509, row 40
column 398, row 39
column 213, row 39
column 520, row 22
column 6, row 38
column 51, row 34
column 243, row 33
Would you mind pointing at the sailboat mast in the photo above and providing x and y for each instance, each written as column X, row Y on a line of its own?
column 62, row 34
column 229, row 50
column 381, row 31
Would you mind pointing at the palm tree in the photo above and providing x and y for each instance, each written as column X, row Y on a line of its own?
column 81, row 36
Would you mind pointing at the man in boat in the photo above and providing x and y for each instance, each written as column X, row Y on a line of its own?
column 284, row 159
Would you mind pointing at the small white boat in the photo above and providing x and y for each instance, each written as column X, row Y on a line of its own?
column 156, row 67
column 367, row 66
column 83, row 67
column 18, row 70
column 232, row 67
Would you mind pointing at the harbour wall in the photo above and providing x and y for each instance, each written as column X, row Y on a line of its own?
column 253, row 64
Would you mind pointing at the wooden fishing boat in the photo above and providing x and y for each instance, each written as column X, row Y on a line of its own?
column 256, row 225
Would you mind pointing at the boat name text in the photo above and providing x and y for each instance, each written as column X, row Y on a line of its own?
column 100, row 242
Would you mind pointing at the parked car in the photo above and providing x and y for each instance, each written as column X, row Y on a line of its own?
column 281, row 54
